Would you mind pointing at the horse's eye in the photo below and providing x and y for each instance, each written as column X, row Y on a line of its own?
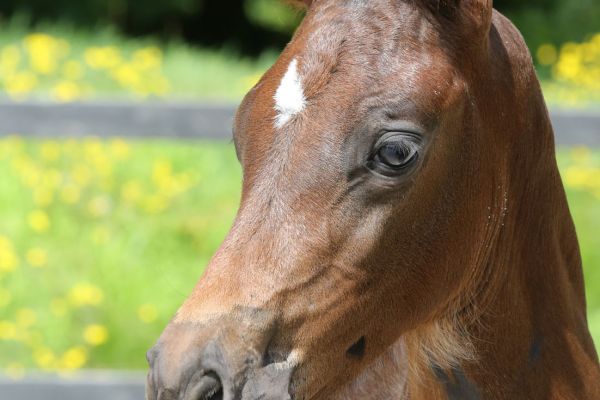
column 394, row 154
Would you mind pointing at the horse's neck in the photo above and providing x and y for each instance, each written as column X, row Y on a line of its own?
column 530, row 342
column 386, row 378
column 517, row 356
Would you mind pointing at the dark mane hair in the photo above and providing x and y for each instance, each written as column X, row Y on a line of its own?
column 444, row 7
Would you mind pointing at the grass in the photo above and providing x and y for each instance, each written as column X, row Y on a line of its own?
column 39, row 64
column 101, row 241
column 62, row 63
column 580, row 169
column 124, row 236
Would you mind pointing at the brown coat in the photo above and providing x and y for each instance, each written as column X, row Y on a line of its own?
column 403, row 230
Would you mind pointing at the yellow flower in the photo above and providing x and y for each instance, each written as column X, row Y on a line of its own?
column 581, row 154
column 66, row 91
column 10, row 56
column 10, row 145
column 81, row 174
column 42, row 196
column 5, row 297
column 582, row 177
column 155, row 204
column 39, row 221
column 74, row 358
column 100, row 235
column 20, row 84
column 26, row 317
column 93, row 148
column 71, row 148
column 131, row 192
column 84, row 294
column 95, row 334
column 30, row 175
column 102, row 166
column 50, row 151
column 162, row 173
column 98, row 157
column 52, row 178
column 119, row 149
column 251, row 80
column 37, row 257
column 70, row 194
column 102, row 57
column 8, row 258
column 5, row 242
column 160, row 86
column 126, row 75
column 44, row 52
column 147, row 313
column 578, row 65
column 44, row 357
column 8, row 330
column 58, row 307
column 32, row 339
column 147, row 58
column 99, row 206
column 73, row 70
column 547, row 54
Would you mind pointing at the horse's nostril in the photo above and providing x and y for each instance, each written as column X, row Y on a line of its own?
column 209, row 387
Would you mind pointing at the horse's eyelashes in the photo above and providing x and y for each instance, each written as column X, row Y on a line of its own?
column 394, row 154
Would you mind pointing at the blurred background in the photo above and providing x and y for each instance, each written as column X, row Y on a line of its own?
column 102, row 237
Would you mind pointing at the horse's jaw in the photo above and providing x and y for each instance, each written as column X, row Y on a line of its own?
column 385, row 378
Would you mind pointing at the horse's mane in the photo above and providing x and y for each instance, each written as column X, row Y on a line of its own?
column 434, row 4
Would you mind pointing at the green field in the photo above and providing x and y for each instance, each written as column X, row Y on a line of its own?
column 61, row 63
column 101, row 241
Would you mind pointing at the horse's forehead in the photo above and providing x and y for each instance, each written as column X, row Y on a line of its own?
column 368, row 37
column 343, row 60
column 350, row 48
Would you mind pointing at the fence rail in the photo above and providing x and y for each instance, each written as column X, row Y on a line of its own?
column 81, row 386
column 194, row 121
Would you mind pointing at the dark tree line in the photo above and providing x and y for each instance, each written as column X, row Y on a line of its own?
column 204, row 22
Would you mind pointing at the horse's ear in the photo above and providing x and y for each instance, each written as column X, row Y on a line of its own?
column 478, row 13
column 472, row 18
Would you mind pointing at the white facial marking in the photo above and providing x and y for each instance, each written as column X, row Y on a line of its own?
column 289, row 97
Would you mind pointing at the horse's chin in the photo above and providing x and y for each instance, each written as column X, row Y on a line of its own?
column 269, row 383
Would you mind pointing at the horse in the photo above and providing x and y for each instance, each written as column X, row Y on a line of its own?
column 403, row 231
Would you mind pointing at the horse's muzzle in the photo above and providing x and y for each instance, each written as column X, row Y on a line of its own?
column 187, row 376
column 192, row 362
column 211, row 379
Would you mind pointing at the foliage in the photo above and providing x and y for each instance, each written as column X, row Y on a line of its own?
column 209, row 23
column 102, row 240
column 253, row 25
column 273, row 14
column 565, row 21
